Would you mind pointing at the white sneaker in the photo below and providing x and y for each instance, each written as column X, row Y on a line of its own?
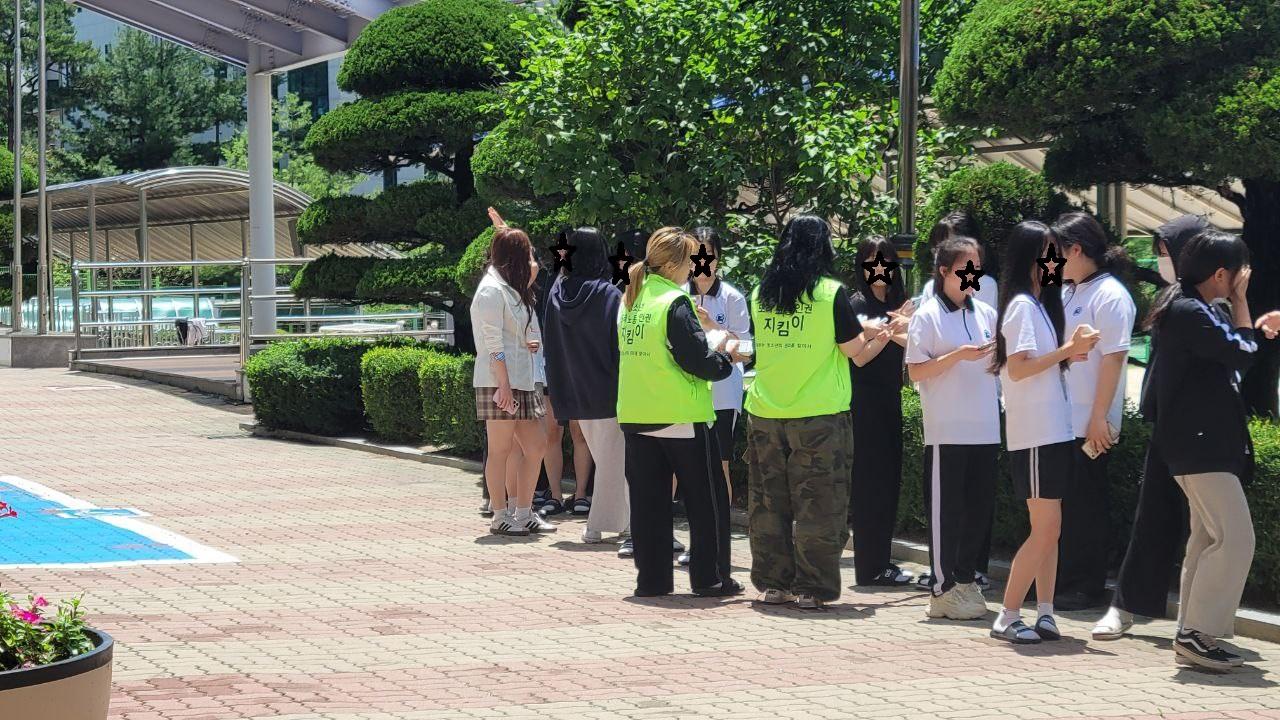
column 504, row 523
column 958, row 603
column 809, row 602
column 777, row 597
column 1113, row 625
column 975, row 604
column 591, row 537
column 537, row 524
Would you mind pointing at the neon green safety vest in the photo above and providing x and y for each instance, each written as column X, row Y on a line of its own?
column 800, row 371
column 652, row 389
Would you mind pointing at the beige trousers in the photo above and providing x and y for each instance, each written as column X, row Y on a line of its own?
column 1219, row 552
column 610, row 507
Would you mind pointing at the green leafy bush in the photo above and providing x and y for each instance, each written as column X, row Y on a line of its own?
column 333, row 220
column 405, row 280
column 29, row 637
column 310, row 385
column 448, row 403
column 501, row 166
column 452, row 225
column 433, row 44
column 999, row 196
column 332, row 277
column 469, row 269
column 1264, row 505
column 392, row 392
column 365, row 135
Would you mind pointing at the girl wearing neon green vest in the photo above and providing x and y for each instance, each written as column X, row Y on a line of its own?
column 801, row 438
column 665, row 410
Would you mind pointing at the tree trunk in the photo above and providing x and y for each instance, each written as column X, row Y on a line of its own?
column 1261, row 209
column 464, row 181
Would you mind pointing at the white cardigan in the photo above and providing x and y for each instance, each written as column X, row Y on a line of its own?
column 500, row 323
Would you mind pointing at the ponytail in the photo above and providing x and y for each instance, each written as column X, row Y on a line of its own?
column 668, row 247
column 635, row 280
column 1079, row 228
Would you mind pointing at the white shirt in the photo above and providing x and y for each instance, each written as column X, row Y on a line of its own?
column 961, row 406
column 1037, row 410
column 728, row 308
column 1104, row 303
column 500, row 323
column 987, row 291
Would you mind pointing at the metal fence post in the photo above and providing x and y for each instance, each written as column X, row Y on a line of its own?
column 75, row 310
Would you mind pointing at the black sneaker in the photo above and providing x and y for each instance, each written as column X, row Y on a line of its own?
column 729, row 588
column 982, row 581
column 892, row 576
column 1193, row 647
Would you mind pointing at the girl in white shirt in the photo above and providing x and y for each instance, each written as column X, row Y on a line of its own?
column 949, row 343
column 1031, row 360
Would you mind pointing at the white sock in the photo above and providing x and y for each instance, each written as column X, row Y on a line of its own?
column 524, row 515
column 1043, row 609
column 1006, row 618
column 511, row 505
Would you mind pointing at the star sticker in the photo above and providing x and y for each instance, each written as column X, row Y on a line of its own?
column 560, row 253
column 873, row 276
column 702, row 261
column 620, row 263
column 1049, row 278
column 968, row 270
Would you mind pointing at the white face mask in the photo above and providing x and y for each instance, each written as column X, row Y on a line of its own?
column 1165, row 263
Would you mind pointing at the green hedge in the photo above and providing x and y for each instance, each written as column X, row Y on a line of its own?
column 467, row 274
column 448, row 403
column 332, row 277
column 310, row 385
column 434, row 44
column 406, row 280
column 392, row 393
column 335, row 220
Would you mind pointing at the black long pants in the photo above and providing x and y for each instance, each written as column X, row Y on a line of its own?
column 1086, row 527
column 650, row 463
column 960, row 492
column 1156, row 542
column 876, row 479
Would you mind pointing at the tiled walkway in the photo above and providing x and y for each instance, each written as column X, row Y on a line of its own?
column 367, row 588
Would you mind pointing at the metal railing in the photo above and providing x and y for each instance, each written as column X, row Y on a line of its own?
column 436, row 326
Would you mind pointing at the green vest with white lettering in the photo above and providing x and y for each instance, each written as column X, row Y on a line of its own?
column 800, row 371
column 652, row 388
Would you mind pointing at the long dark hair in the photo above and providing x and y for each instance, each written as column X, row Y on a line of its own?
column 509, row 254
column 1079, row 228
column 957, row 223
column 946, row 254
column 897, row 291
column 591, row 257
column 1200, row 258
column 1024, row 244
column 709, row 237
column 803, row 257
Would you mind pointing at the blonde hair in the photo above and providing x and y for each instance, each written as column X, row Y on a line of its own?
column 668, row 247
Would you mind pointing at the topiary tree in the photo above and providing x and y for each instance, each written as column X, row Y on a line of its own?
column 1163, row 92
column 999, row 196
column 425, row 73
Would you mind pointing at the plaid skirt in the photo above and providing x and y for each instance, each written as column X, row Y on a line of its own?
column 531, row 406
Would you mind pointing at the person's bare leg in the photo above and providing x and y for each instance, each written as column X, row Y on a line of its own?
column 581, row 459
column 1050, row 523
column 728, row 482
column 554, row 454
column 532, row 437
column 514, row 460
column 1029, row 562
column 501, row 435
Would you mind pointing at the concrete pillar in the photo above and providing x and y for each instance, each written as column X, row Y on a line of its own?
column 262, row 222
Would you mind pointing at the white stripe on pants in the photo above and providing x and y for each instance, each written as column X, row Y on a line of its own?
column 1219, row 552
column 610, row 509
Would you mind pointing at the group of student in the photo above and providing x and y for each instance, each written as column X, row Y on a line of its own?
column 647, row 360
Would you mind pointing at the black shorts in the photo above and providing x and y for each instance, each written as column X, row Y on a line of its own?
column 1042, row 473
column 725, row 422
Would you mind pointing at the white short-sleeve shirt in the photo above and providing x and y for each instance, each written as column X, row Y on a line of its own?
column 1037, row 410
column 961, row 406
column 1104, row 303
column 727, row 306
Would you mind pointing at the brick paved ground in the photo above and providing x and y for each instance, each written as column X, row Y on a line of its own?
column 368, row 589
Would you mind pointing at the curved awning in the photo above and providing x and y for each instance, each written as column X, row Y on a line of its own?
column 207, row 205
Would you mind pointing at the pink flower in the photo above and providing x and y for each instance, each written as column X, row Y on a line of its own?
column 41, row 602
column 27, row 616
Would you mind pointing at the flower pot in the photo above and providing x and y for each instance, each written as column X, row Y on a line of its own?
column 74, row 689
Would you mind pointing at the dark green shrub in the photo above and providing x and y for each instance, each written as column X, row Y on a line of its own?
column 406, row 280
column 395, row 211
column 392, row 392
column 500, row 164
column 999, row 196
column 1264, row 506
column 452, row 225
column 448, row 403
column 310, row 385
column 433, row 44
column 332, row 277
column 334, row 220
column 467, row 274
column 360, row 136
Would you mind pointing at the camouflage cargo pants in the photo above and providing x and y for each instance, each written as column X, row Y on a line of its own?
column 798, row 504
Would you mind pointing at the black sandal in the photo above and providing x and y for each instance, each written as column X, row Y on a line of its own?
column 551, row 507
column 581, row 506
column 728, row 588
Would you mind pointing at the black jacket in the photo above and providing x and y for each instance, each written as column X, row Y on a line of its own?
column 1200, row 420
column 580, row 335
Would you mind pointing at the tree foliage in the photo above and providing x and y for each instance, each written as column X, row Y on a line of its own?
column 68, row 58
column 1165, row 92
column 723, row 111
column 293, row 164
column 148, row 97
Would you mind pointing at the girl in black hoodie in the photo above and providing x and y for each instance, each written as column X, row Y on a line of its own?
column 1201, row 431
